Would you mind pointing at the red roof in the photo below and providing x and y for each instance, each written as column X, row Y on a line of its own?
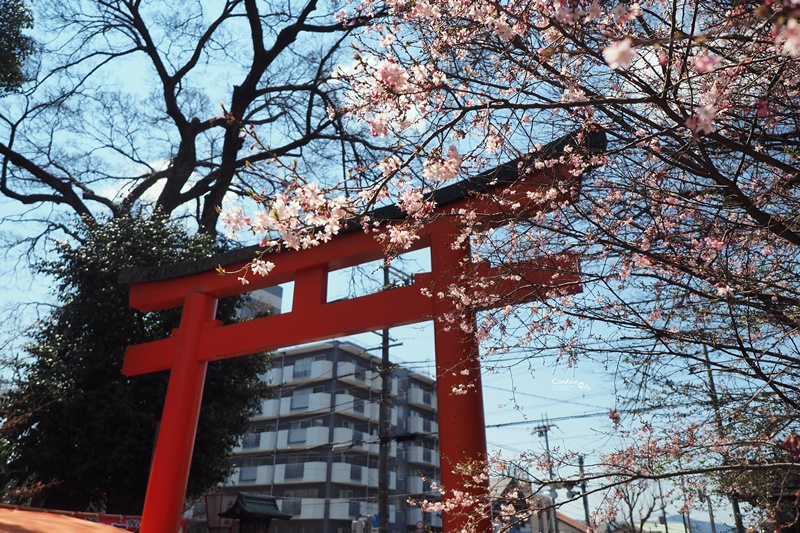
column 18, row 521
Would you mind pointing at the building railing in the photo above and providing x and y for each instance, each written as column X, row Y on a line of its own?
column 294, row 471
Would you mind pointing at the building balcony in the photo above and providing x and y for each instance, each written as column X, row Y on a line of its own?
column 421, row 398
column 269, row 408
column 275, row 407
column 420, row 455
column 349, row 509
column 348, row 474
column 274, row 376
column 415, row 485
column 256, row 442
column 310, row 472
column 344, row 510
column 420, row 486
column 303, row 509
column 246, row 476
column 418, row 424
column 302, row 437
column 347, row 439
column 373, row 475
column 317, row 371
column 356, row 407
column 352, row 374
column 317, row 401
column 374, row 380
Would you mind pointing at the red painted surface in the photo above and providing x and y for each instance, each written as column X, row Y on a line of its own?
column 22, row 519
column 462, row 430
column 200, row 338
column 169, row 472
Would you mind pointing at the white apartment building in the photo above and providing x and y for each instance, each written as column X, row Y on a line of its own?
column 314, row 446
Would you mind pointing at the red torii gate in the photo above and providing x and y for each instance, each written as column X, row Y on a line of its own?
column 201, row 338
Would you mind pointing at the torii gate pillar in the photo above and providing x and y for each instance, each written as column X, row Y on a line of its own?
column 169, row 472
column 462, row 427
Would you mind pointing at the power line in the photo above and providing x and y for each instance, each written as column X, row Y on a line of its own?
column 571, row 417
column 540, row 397
column 635, row 411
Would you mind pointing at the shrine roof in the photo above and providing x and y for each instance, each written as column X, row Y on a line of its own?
column 254, row 506
column 504, row 174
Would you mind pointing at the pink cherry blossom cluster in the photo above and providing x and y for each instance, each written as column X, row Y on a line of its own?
column 443, row 169
column 301, row 217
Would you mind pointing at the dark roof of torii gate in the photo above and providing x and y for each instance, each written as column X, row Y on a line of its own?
column 504, row 174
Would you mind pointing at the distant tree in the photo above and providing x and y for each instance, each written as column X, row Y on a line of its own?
column 144, row 104
column 15, row 46
column 84, row 431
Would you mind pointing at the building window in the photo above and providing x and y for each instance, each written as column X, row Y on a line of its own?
column 300, row 399
column 346, row 494
column 248, row 473
column 355, row 472
column 358, row 405
column 297, row 434
column 302, row 368
column 402, row 388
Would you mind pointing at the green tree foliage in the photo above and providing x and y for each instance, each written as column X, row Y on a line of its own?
column 14, row 45
column 81, row 428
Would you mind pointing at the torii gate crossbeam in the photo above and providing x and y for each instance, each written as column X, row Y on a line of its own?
column 200, row 338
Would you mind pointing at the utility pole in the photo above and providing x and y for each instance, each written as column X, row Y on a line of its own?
column 583, row 492
column 384, row 420
column 703, row 497
column 712, row 391
column 541, row 431
column 384, row 425
column 663, row 508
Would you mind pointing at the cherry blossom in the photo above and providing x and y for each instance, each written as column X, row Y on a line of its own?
column 619, row 54
column 377, row 126
column 443, row 170
column 234, row 220
column 788, row 40
column 706, row 62
column 261, row 267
